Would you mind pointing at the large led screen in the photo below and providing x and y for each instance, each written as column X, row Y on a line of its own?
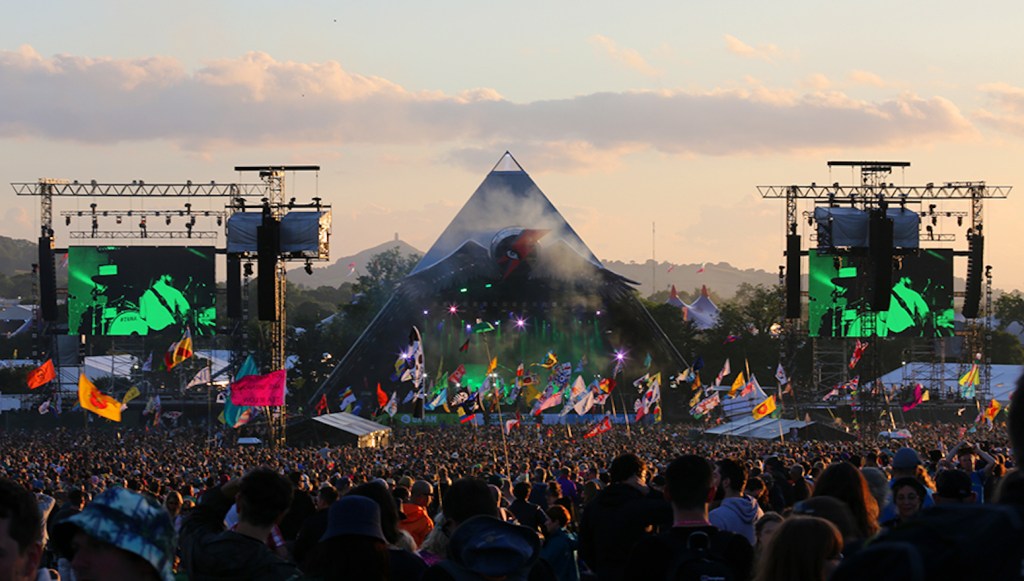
column 139, row 290
column 840, row 288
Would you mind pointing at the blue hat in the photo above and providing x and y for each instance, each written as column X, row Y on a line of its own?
column 354, row 515
column 131, row 522
column 906, row 458
column 493, row 547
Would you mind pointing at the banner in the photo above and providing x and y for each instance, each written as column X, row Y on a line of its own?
column 259, row 390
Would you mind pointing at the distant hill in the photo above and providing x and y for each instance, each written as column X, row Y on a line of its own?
column 338, row 273
column 17, row 256
column 721, row 277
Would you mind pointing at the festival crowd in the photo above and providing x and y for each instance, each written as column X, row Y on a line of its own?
column 537, row 503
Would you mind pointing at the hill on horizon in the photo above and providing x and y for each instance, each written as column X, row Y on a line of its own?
column 340, row 272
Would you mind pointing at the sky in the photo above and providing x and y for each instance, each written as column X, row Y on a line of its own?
column 648, row 124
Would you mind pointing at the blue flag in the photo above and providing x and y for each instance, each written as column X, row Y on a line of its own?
column 234, row 415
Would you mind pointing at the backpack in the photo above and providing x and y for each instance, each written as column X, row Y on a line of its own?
column 701, row 560
column 958, row 541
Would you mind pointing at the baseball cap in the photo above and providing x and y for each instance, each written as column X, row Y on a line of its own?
column 906, row 458
column 954, row 484
column 131, row 522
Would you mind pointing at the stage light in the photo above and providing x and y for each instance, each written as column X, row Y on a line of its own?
column 959, row 220
column 520, row 323
column 620, row 356
column 168, row 220
column 426, row 312
column 598, row 313
column 453, row 309
column 309, row 267
column 67, row 220
column 463, row 289
column 220, row 220
column 118, row 219
column 247, row 267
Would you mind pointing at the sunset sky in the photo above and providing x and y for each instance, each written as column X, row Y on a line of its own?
column 625, row 114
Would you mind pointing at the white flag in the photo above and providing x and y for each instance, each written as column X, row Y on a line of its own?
column 201, row 378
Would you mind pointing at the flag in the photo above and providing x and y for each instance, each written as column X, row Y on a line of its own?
column 392, row 405
column 696, row 397
column 201, row 378
column 236, row 416
column 321, row 406
column 606, row 385
column 831, row 394
column 723, row 373
column 578, row 387
column 513, row 423
column 788, row 389
column 550, row 361
column 466, row 416
column 44, row 407
column 603, row 426
column 260, row 390
column 351, row 269
column 620, row 366
column 731, row 339
column 347, row 399
column 382, row 398
column 416, row 354
column 706, row 405
column 969, row 381
column 148, row 365
column 993, row 410
column 492, row 366
column 131, row 394
column 98, row 403
column 584, row 403
column 640, row 382
column 520, row 370
column 737, row 384
column 547, row 402
column 918, row 398
column 179, row 351
column 582, row 364
column 858, row 352
column 57, row 404
column 41, row 375
column 458, row 374
column 647, row 361
column 465, row 347
column 764, row 408
column 780, row 375
column 702, row 266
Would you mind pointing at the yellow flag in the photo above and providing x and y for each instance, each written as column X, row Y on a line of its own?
column 993, row 410
column 696, row 398
column 98, row 403
column 925, row 396
column 737, row 385
column 130, row 395
column 764, row 408
column 493, row 365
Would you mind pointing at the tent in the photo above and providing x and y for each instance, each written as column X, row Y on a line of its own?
column 703, row 312
column 339, row 428
column 776, row 428
column 508, row 279
column 945, row 377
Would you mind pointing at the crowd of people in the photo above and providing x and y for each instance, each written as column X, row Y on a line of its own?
column 537, row 503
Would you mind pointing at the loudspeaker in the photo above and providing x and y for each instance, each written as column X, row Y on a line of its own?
column 880, row 240
column 975, row 262
column 234, row 287
column 47, row 280
column 793, row 276
column 268, row 243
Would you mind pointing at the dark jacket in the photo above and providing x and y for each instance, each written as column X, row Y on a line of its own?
column 613, row 522
column 652, row 557
column 208, row 552
column 485, row 547
column 528, row 515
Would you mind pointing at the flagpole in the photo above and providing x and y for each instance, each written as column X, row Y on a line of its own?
column 624, row 414
column 209, row 405
column 504, row 441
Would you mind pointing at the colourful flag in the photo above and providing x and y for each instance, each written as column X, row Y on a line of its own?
column 603, row 426
column 456, row 375
column 764, row 408
column 706, row 405
column 831, row 394
column 550, row 361
column 44, row 407
column 918, row 398
column 179, row 351
column 382, row 398
column 513, row 423
column 132, row 393
column 260, row 390
column 348, row 398
column 466, row 416
column 520, row 370
column 723, row 373
column 780, row 375
column 969, row 381
column 42, row 375
column 392, row 405
column 201, row 378
column 465, row 347
column 321, row 406
column 492, row 366
column 148, row 365
column 858, row 352
column 237, row 416
column 98, row 403
column 738, row 383
column 993, row 410
column 606, row 385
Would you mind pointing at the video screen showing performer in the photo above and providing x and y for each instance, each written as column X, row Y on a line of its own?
column 141, row 290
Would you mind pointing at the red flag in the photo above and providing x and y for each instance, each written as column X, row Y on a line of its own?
column 321, row 406
column 601, row 427
column 457, row 375
column 382, row 398
column 41, row 375
column 465, row 346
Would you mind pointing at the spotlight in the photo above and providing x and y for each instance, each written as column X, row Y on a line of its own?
column 118, row 219
column 168, row 220
column 247, row 268
column 67, row 220
column 309, row 267
column 220, row 220
column 959, row 220
column 453, row 309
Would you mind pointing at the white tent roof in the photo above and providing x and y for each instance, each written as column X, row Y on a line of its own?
column 762, row 429
column 350, row 423
column 946, row 377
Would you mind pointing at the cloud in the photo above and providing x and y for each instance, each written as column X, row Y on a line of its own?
column 626, row 56
column 256, row 100
column 765, row 52
column 1007, row 108
column 859, row 77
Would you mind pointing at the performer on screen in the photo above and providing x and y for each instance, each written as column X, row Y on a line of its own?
column 162, row 305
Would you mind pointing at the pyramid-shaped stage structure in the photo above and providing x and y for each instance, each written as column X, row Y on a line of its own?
column 508, row 279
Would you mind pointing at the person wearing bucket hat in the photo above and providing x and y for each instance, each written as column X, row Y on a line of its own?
column 354, row 541
column 120, row 535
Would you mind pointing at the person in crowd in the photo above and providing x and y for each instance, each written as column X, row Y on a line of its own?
column 844, row 482
column 764, row 530
column 405, row 563
column 878, row 484
column 525, row 512
column 620, row 515
column 737, row 513
column 415, row 519
column 353, row 545
column 801, row 486
column 120, row 535
column 838, row 513
column 301, row 508
column 560, row 545
column 967, row 458
column 21, row 532
column 954, row 487
column 757, row 490
column 481, row 545
column 314, row 526
column 908, row 497
column 173, row 504
column 907, row 463
column 211, row 552
column 691, row 481
column 804, row 548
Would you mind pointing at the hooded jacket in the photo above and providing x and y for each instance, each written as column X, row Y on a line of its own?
column 738, row 515
column 416, row 522
column 613, row 522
